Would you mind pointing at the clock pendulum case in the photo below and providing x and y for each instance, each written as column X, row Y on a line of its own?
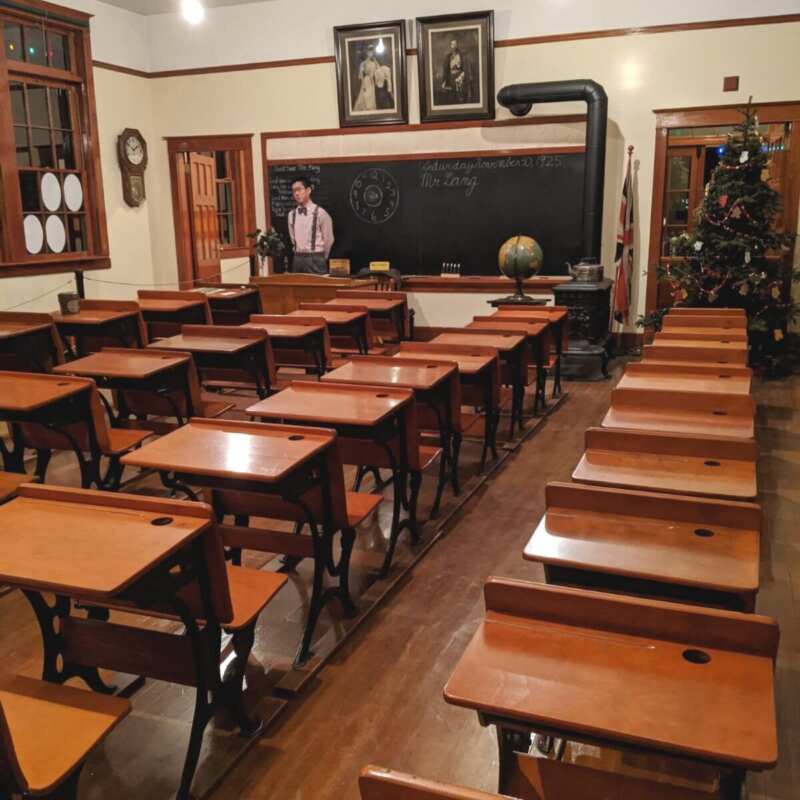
column 132, row 154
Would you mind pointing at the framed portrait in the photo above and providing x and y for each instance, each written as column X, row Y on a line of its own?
column 371, row 73
column 456, row 66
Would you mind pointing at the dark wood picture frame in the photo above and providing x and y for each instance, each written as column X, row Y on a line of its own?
column 354, row 89
column 471, row 97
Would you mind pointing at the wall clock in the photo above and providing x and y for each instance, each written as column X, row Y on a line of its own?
column 132, row 154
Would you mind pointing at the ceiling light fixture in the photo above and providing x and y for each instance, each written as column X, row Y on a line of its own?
column 193, row 11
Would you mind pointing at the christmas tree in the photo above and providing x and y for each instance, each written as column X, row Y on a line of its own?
column 736, row 257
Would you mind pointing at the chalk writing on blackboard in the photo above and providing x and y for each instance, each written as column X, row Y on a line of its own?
column 281, row 177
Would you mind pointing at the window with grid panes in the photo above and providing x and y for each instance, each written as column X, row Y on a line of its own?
column 52, row 211
column 229, row 232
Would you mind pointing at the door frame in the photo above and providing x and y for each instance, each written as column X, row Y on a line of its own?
column 177, row 147
column 712, row 116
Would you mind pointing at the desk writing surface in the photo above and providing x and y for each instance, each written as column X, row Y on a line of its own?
column 226, row 293
column 467, row 364
column 504, row 342
column 552, row 314
column 28, row 391
column 631, row 688
column 703, row 332
column 201, row 343
column 331, row 317
column 376, row 304
column 84, row 549
column 670, row 364
column 649, row 536
column 379, row 371
column 275, row 329
column 699, row 344
column 683, row 381
column 332, row 403
column 529, row 328
column 92, row 316
column 239, row 450
column 167, row 304
column 121, row 364
column 9, row 329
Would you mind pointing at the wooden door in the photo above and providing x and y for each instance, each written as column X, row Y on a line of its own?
column 203, row 214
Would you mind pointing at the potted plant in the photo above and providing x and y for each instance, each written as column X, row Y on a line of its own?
column 269, row 244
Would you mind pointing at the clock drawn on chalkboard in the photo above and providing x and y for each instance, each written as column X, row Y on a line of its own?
column 374, row 196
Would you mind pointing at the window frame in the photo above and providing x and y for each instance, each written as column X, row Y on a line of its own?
column 14, row 257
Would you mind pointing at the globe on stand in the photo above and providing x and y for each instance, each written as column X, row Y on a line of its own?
column 519, row 258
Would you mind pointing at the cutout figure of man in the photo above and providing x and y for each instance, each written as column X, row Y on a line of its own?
column 310, row 229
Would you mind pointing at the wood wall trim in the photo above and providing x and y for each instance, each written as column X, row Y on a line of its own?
column 519, row 42
column 778, row 111
column 125, row 70
column 433, row 284
column 210, row 141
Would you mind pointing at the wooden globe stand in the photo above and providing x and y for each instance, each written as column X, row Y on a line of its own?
column 519, row 298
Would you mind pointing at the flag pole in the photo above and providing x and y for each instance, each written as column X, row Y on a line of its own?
column 627, row 188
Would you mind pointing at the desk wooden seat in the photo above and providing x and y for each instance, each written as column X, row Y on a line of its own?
column 121, row 551
column 675, row 547
column 388, row 311
column 297, row 341
column 701, row 414
column 700, row 368
column 376, row 427
column 538, row 336
column 48, row 731
column 148, row 383
column 737, row 313
column 513, row 356
column 282, row 472
column 708, row 466
column 729, row 323
column 51, row 412
column 29, row 342
column 688, row 350
column 349, row 325
column 479, row 374
column 230, row 303
column 657, row 677
column 702, row 333
column 529, row 778
column 437, row 391
column 166, row 312
column 103, row 323
column 654, row 375
column 227, row 356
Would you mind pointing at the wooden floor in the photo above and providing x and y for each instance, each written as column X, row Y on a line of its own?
column 380, row 698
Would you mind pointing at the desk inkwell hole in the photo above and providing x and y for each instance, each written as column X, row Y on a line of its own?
column 720, row 413
column 725, row 341
column 430, row 366
column 296, row 437
column 382, row 394
column 63, row 383
column 703, row 533
column 160, row 521
column 696, row 656
column 722, row 377
column 711, row 463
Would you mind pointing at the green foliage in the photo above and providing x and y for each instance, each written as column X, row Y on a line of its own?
column 268, row 243
column 735, row 257
column 652, row 321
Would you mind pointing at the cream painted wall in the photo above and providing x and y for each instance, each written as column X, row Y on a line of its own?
column 122, row 101
column 639, row 73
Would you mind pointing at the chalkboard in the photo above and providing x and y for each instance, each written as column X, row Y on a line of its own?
column 419, row 213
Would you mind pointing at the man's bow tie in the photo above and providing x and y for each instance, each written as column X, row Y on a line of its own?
column 302, row 210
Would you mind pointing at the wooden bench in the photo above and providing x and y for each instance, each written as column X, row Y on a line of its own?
column 698, row 413
column 29, row 342
column 709, row 466
column 676, row 547
column 48, row 731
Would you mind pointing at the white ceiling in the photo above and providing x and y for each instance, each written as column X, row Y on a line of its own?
column 149, row 7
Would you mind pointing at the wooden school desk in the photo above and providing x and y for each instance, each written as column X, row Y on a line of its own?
column 702, row 333
column 165, row 313
column 102, row 323
column 375, row 426
column 296, row 341
column 730, row 324
column 630, row 673
column 52, row 412
column 293, row 466
column 152, row 372
column 736, row 313
column 230, row 303
column 700, row 368
column 479, row 373
column 388, row 310
column 653, row 375
column 538, row 336
column 222, row 351
column 437, row 392
column 709, row 466
column 10, row 483
column 29, row 342
column 120, row 551
column 682, row 412
column 671, row 547
column 688, row 350
column 513, row 354
column 352, row 325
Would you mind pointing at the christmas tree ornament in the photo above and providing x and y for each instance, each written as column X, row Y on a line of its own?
column 744, row 289
column 746, row 256
column 736, row 212
column 698, row 246
column 777, row 334
column 723, row 200
column 776, row 293
column 744, row 157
